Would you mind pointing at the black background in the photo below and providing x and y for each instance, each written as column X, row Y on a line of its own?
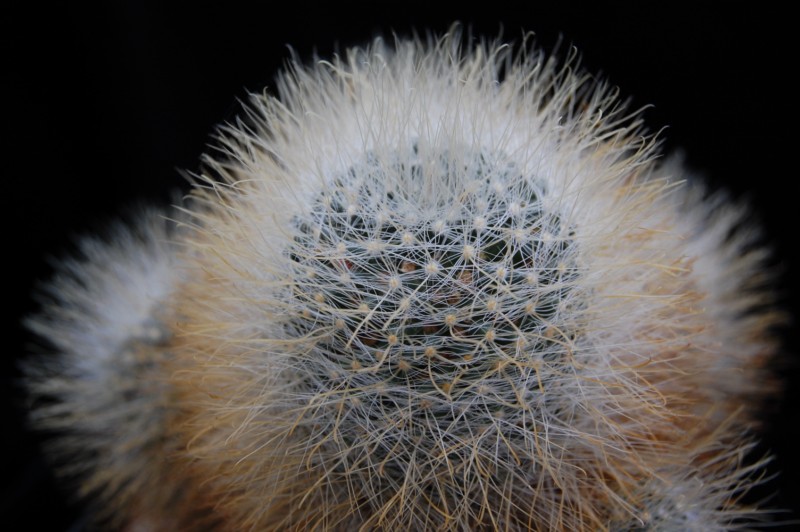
column 104, row 106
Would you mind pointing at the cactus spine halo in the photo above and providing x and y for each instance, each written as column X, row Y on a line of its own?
column 432, row 287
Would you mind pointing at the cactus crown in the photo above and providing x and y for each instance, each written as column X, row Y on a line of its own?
column 421, row 313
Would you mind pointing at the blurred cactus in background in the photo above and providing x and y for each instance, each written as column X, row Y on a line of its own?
column 427, row 287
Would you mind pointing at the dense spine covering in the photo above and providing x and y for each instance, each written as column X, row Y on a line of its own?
column 424, row 288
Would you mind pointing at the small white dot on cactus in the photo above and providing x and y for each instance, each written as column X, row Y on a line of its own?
column 450, row 320
column 341, row 248
column 363, row 307
column 439, row 226
column 339, row 323
column 403, row 365
column 501, row 272
column 395, row 282
column 531, row 278
column 391, row 339
column 408, row 239
column 490, row 335
column 491, row 304
column 430, row 351
column 405, row 303
column 375, row 246
column 514, row 208
column 147, row 333
column 351, row 210
column 479, row 223
column 319, row 297
column 468, row 253
column 432, row 267
column 504, row 288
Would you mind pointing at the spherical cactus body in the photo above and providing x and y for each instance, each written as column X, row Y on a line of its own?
column 425, row 287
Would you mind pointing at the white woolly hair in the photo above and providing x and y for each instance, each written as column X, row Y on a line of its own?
column 105, row 394
column 426, row 287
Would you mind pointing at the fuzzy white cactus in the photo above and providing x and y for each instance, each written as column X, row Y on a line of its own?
column 425, row 288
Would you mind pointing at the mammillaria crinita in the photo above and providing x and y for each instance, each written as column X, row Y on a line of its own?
column 426, row 286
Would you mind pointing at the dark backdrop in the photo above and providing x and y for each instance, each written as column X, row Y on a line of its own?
column 103, row 106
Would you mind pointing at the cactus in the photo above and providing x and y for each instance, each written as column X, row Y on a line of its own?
column 424, row 288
